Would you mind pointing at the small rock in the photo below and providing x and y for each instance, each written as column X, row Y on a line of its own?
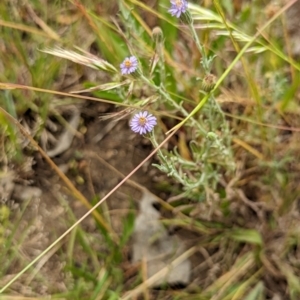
column 153, row 243
column 6, row 186
column 23, row 193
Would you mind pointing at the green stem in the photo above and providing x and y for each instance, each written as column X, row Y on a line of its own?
column 204, row 59
column 164, row 94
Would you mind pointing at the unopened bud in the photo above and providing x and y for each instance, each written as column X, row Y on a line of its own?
column 211, row 136
column 157, row 35
column 186, row 18
column 209, row 82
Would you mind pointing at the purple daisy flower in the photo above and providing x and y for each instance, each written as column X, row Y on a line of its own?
column 142, row 122
column 178, row 7
column 129, row 65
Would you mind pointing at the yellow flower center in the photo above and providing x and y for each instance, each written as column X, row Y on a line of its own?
column 142, row 121
column 127, row 63
column 178, row 3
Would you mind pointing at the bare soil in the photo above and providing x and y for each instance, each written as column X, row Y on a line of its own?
column 89, row 163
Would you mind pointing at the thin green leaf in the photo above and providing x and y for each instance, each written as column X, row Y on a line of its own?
column 246, row 235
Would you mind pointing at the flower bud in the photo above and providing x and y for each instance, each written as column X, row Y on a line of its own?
column 209, row 82
column 186, row 18
column 157, row 35
column 211, row 136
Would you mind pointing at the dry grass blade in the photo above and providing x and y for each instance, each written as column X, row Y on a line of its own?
column 248, row 148
column 11, row 86
column 238, row 270
column 26, row 28
column 8, row 86
column 50, row 32
column 103, row 87
column 87, row 59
